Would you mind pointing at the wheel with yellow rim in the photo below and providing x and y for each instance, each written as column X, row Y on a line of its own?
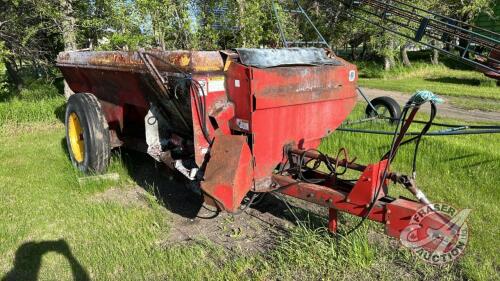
column 87, row 134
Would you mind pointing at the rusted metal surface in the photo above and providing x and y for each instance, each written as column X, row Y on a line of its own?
column 228, row 175
column 293, row 104
column 332, row 220
column 168, row 61
column 123, row 81
column 212, row 97
column 300, row 85
column 327, row 196
column 265, row 58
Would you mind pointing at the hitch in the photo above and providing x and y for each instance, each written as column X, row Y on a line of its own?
column 367, row 197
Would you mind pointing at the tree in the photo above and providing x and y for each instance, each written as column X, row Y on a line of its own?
column 225, row 24
column 28, row 35
column 68, row 33
column 169, row 22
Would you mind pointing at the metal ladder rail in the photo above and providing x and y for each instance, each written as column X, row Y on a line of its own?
column 445, row 24
column 428, row 25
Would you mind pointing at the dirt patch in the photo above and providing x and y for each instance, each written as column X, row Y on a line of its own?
column 256, row 230
column 10, row 129
column 132, row 196
column 190, row 222
column 248, row 233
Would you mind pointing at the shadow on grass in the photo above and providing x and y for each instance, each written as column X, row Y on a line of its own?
column 461, row 157
column 60, row 113
column 480, row 163
column 176, row 194
column 307, row 214
column 455, row 80
column 29, row 259
column 168, row 186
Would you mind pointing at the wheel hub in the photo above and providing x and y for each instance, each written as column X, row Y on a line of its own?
column 75, row 134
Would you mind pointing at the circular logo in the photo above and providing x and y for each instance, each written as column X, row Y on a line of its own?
column 437, row 233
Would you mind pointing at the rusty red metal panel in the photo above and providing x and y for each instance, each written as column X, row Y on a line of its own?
column 239, row 92
column 222, row 112
column 214, row 95
column 399, row 214
column 293, row 104
column 228, row 176
column 401, row 222
column 304, row 125
column 285, row 86
column 169, row 61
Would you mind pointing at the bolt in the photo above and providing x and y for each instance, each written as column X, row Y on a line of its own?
column 329, row 201
column 388, row 211
column 348, row 200
column 388, row 222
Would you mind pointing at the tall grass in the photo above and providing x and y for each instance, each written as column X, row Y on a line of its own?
column 38, row 101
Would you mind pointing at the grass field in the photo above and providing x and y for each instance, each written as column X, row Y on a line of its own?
column 464, row 88
column 54, row 227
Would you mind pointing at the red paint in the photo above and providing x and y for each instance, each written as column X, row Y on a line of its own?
column 229, row 173
column 395, row 214
column 332, row 220
column 284, row 105
column 370, row 181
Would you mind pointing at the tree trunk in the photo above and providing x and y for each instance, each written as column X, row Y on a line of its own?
column 435, row 57
column 435, row 54
column 241, row 11
column 161, row 37
column 389, row 60
column 353, row 53
column 14, row 77
column 69, row 34
column 363, row 52
column 387, row 63
column 404, row 55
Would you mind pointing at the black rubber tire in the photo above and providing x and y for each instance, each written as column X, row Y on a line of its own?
column 95, row 129
column 387, row 103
